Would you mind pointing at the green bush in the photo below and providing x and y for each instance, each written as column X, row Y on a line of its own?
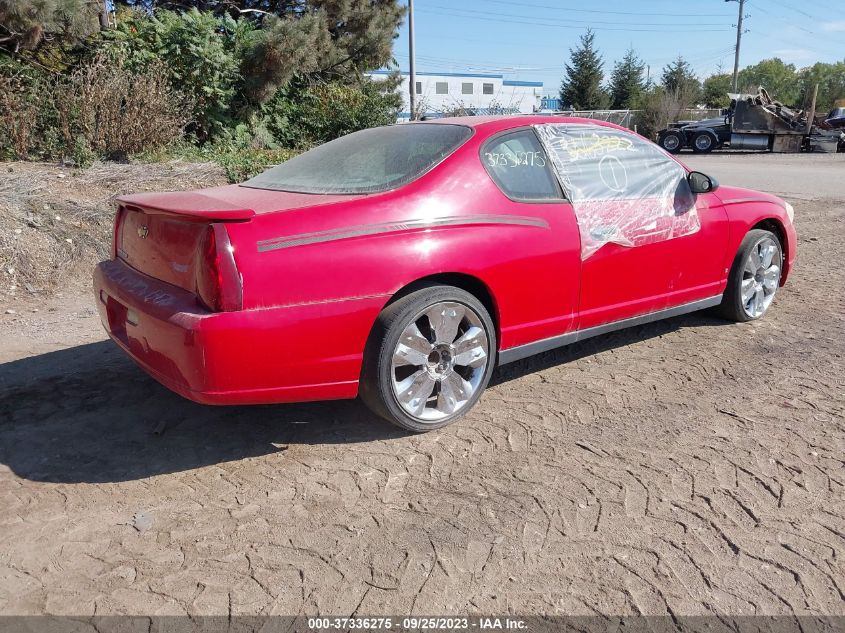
column 301, row 115
column 242, row 164
column 199, row 51
column 102, row 110
column 22, row 108
column 171, row 78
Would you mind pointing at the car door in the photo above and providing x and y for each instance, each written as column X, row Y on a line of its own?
column 700, row 263
column 517, row 164
column 631, row 201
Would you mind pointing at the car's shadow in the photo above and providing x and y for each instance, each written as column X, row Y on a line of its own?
column 88, row 414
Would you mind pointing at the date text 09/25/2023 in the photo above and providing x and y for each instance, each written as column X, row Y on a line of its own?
column 416, row 623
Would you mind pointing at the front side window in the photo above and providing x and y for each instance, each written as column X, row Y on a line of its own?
column 517, row 163
column 441, row 88
column 487, row 89
column 466, row 88
column 623, row 188
column 369, row 161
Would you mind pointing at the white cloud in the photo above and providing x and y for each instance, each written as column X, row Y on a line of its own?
column 834, row 26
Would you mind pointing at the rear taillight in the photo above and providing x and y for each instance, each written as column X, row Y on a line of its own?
column 116, row 235
column 219, row 285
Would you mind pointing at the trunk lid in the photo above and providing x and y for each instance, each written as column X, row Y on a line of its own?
column 159, row 245
column 181, row 237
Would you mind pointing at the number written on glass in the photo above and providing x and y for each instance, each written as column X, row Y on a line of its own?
column 515, row 159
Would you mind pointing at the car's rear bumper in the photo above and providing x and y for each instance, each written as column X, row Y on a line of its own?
column 283, row 354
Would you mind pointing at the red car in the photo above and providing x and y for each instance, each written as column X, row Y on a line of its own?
column 403, row 263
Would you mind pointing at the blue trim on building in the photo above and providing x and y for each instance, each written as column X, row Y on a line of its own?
column 405, row 74
column 532, row 84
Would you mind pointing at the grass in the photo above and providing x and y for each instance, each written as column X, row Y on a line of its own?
column 239, row 163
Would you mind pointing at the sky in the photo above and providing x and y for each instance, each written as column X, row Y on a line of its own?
column 530, row 40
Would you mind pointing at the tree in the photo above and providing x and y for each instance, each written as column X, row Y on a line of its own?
column 199, row 52
column 778, row 78
column 24, row 24
column 319, row 39
column 581, row 89
column 232, row 65
column 716, row 89
column 831, row 81
column 679, row 78
column 626, row 81
column 322, row 39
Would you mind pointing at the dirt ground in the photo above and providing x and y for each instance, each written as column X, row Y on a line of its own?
column 691, row 466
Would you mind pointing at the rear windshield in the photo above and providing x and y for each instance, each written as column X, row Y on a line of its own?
column 369, row 161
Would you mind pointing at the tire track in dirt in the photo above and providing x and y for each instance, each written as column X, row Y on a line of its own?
column 685, row 467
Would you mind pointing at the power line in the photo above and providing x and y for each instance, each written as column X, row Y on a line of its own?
column 779, row 18
column 786, row 6
column 474, row 12
column 435, row 62
column 779, row 36
column 452, row 13
column 568, row 10
column 819, row 35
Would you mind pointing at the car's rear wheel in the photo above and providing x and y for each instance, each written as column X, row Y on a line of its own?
column 703, row 143
column 754, row 278
column 429, row 358
column 672, row 142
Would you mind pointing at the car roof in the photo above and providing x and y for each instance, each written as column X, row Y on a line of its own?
column 505, row 122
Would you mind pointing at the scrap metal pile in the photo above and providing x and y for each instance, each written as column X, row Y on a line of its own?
column 790, row 129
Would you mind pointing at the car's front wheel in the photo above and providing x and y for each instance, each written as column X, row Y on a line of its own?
column 429, row 357
column 754, row 278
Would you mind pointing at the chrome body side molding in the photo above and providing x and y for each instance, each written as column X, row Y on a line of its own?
column 538, row 347
column 741, row 200
column 392, row 227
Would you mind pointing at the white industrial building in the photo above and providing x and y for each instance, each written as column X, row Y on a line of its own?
column 480, row 93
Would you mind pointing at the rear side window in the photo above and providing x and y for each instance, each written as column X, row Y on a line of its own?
column 369, row 161
column 517, row 163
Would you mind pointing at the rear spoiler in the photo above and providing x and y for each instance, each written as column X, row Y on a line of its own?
column 189, row 205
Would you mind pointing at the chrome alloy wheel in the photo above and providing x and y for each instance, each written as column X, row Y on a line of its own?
column 439, row 361
column 760, row 277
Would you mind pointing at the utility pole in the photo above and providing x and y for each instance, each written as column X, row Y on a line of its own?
column 738, row 39
column 104, row 16
column 412, row 79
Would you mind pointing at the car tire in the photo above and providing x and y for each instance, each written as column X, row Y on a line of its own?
column 754, row 278
column 672, row 142
column 703, row 143
column 412, row 374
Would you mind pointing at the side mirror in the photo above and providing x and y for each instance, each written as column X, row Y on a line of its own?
column 701, row 183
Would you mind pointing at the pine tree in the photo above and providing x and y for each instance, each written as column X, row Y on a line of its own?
column 626, row 81
column 679, row 78
column 320, row 39
column 581, row 89
column 25, row 24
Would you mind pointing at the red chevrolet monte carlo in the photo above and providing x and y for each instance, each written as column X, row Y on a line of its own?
column 403, row 263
